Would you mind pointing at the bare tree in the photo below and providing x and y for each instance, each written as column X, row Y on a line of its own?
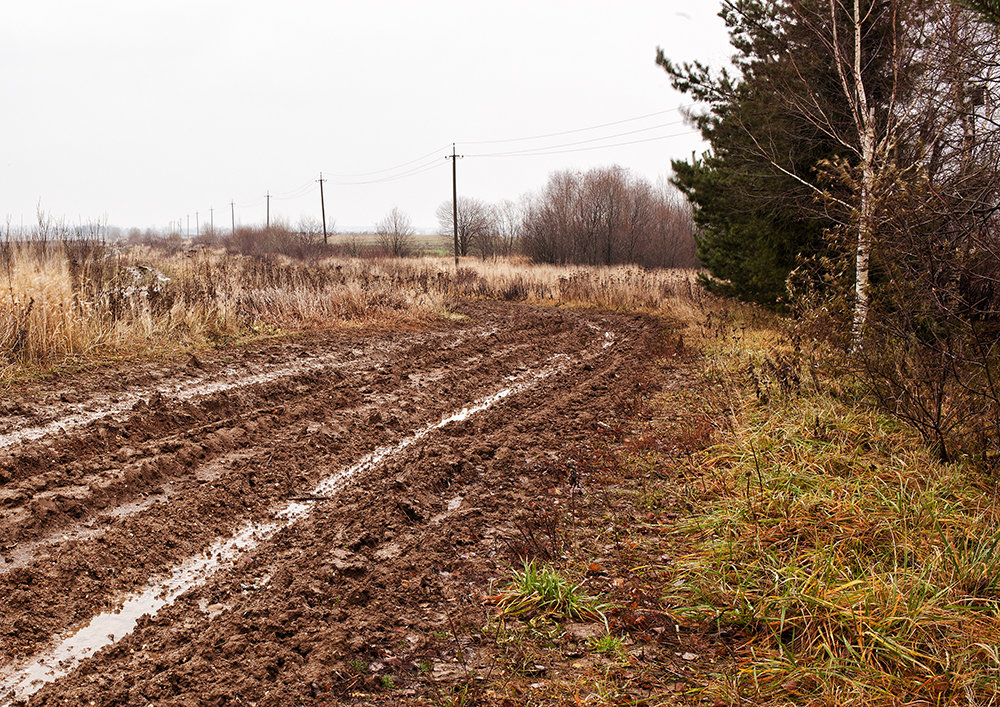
column 607, row 216
column 508, row 223
column 473, row 222
column 395, row 233
column 935, row 358
column 309, row 226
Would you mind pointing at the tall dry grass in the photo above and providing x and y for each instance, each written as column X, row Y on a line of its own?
column 842, row 561
column 68, row 300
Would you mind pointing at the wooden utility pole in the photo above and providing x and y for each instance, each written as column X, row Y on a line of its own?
column 211, row 221
column 187, row 231
column 197, row 228
column 232, row 211
column 322, row 206
column 454, row 198
column 269, row 209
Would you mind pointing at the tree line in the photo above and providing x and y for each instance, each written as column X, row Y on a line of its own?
column 854, row 177
column 604, row 216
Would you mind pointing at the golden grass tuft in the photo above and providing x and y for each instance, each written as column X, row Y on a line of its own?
column 75, row 301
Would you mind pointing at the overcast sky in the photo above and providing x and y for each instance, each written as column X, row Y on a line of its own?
column 146, row 111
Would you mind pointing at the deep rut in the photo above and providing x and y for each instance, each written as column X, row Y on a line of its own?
column 113, row 506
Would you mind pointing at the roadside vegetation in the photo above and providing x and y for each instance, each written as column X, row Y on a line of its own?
column 71, row 301
column 837, row 556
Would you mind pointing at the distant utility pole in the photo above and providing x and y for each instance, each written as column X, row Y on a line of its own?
column 232, row 209
column 187, row 231
column 197, row 228
column 322, row 205
column 268, row 209
column 211, row 221
column 454, row 198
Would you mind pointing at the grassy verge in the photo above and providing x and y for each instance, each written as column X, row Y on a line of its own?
column 842, row 562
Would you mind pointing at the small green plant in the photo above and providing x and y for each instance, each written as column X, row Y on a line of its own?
column 537, row 590
column 358, row 665
column 388, row 682
column 608, row 645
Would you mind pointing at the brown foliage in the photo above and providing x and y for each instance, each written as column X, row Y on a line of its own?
column 608, row 216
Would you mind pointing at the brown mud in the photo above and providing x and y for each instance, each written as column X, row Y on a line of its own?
column 111, row 480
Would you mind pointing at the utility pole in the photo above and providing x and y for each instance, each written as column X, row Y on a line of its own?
column 454, row 198
column 187, row 231
column 269, row 209
column 232, row 209
column 197, row 228
column 322, row 205
column 211, row 221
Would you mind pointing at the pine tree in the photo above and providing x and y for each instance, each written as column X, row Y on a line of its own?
column 755, row 220
column 801, row 133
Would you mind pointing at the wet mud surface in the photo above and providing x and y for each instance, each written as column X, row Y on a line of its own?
column 372, row 478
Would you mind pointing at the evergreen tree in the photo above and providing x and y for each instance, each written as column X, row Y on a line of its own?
column 799, row 130
column 754, row 219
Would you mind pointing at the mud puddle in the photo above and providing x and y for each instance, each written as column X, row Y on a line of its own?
column 228, row 379
column 107, row 628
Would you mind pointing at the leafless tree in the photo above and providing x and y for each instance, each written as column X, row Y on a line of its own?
column 936, row 362
column 507, row 222
column 309, row 226
column 474, row 222
column 607, row 216
column 395, row 233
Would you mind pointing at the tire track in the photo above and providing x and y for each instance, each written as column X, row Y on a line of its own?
column 388, row 392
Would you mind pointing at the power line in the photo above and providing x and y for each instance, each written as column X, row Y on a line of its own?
column 300, row 188
column 576, row 130
column 530, row 150
column 411, row 173
column 435, row 152
column 584, row 149
column 294, row 194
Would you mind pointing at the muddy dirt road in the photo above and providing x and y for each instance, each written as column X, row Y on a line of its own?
column 262, row 525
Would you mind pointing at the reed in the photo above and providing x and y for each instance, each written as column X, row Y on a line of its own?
column 70, row 301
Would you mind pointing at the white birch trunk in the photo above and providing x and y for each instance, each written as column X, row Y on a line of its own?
column 866, row 222
column 866, row 206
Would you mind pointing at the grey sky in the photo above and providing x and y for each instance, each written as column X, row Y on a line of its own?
column 145, row 111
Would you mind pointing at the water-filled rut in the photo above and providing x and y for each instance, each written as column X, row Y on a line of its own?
column 360, row 458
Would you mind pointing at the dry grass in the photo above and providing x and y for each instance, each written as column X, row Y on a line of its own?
column 67, row 302
column 847, row 565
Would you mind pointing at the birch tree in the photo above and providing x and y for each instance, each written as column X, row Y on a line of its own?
column 840, row 73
